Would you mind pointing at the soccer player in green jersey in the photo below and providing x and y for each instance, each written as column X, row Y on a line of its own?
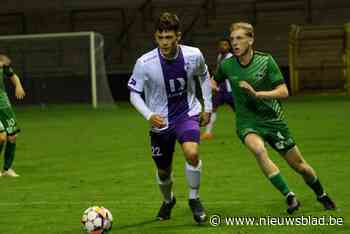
column 8, row 123
column 257, row 86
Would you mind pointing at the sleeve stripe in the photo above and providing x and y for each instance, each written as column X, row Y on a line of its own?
column 134, row 90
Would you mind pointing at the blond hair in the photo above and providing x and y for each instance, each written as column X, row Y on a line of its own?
column 247, row 27
column 4, row 59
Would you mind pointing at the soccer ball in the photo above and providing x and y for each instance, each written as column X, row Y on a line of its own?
column 97, row 219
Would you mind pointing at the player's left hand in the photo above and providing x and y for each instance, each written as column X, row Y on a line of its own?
column 19, row 92
column 247, row 88
column 214, row 86
column 205, row 118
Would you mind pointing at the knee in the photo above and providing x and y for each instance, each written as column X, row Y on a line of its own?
column 164, row 174
column 192, row 158
column 256, row 145
column 191, row 153
column 12, row 138
column 3, row 138
column 300, row 166
column 260, row 152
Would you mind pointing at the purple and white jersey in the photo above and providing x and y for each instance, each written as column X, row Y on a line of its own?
column 224, row 86
column 220, row 58
column 169, row 85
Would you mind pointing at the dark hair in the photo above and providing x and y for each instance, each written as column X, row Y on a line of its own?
column 167, row 22
column 210, row 72
column 225, row 39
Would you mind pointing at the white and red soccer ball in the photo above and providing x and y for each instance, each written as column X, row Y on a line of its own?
column 97, row 220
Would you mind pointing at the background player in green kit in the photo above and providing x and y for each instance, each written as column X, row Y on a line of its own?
column 8, row 123
column 257, row 85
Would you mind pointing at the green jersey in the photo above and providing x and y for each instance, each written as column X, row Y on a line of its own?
column 263, row 74
column 5, row 72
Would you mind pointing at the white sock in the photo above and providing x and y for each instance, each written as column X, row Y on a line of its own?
column 193, row 175
column 165, row 188
column 290, row 194
column 210, row 125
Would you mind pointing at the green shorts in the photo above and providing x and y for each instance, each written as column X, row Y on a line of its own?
column 8, row 121
column 276, row 134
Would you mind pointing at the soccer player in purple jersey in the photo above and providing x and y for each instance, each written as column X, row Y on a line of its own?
column 258, row 86
column 222, row 93
column 167, row 75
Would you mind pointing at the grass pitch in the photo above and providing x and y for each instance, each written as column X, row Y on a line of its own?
column 72, row 157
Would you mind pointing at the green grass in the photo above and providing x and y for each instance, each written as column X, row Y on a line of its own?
column 72, row 157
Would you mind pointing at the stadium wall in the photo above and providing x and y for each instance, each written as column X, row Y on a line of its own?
column 127, row 25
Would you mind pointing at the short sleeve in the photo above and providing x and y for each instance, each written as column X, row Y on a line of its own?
column 8, row 71
column 137, row 79
column 274, row 73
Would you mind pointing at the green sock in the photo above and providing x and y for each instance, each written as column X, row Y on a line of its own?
column 10, row 149
column 316, row 186
column 279, row 183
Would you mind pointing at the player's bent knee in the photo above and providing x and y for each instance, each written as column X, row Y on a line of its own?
column 193, row 163
column 295, row 161
column 191, row 154
column 192, row 157
column 301, row 168
column 298, row 165
column 260, row 152
column 255, row 144
column 164, row 177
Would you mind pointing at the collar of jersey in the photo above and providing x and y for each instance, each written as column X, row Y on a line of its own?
column 247, row 65
column 173, row 58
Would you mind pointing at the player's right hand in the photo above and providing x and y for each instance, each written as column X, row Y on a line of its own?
column 157, row 121
column 247, row 88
